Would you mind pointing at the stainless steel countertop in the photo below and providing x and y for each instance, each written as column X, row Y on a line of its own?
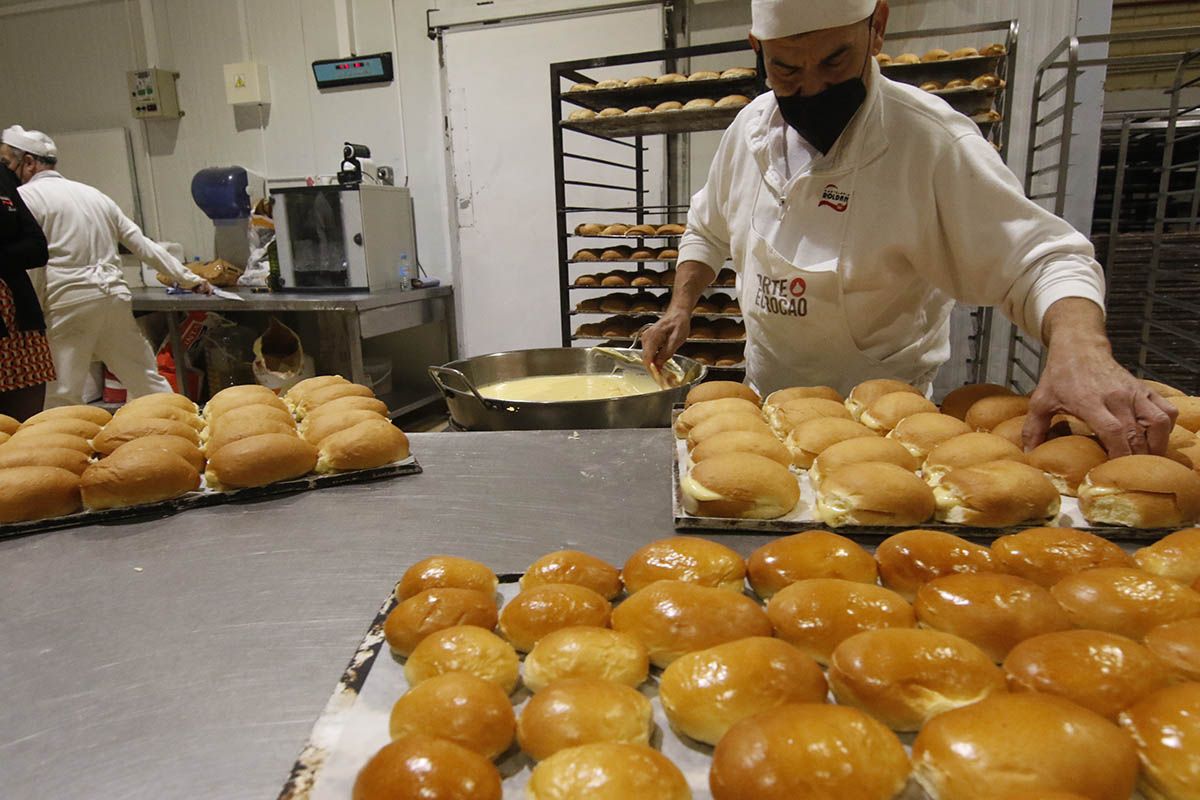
column 189, row 657
column 153, row 299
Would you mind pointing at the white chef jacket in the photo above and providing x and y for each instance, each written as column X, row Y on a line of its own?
column 932, row 215
column 83, row 226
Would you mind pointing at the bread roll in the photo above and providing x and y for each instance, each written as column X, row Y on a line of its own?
column 248, row 415
column 698, row 104
column 965, row 52
column 1189, row 412
column 1017, row 742
column 371, row 443
column 1047, row 555
column 672, row 618
column 988, row 412
column 883, row 59
column 1123, row 600
column 47, row 440
column 699, row 412
column 30, row 493
column 936, row 54
column 160, row 399
column 434, row 610
column 1162, row 390
column 1177, row 645
column 607, row 771
column 785, row 417
column 586, row 652
column 911, row 559
column 427, row 767
column 542, row 609
column 1141, row 491
column 668, row 105
column 781, row 396
column 1176, row 555
column 811, row 554
column 1100, row 671
column 578, row 711
column 1165, row 727
column 120, row 431
column 9, row 425
column 670, row 229
column 93, row 414
column 168, row 444
column 741, row 485
column 808, row 751
column 1066, row 460
column 873, row 493
column 907, row 58
column 715, row 390
column 70, row 460
column 704, row 75
column 161, row 411
column 4, row 437
column 684, row 558
column 260, row 460
column 857, row 451
column 66, row 425
column 997, row 494
column 458, row 706
column 818, row 614
column 868, row 392
column 756, row 442
column 319, row 397
column 438, row 572
column 611, row 111
column 1013, row 430
column 224, row 433
column 886, row 411
column 992, row 611
column 733, row 101
column 136, row 477
column 809, row 439
column 723, row 423
column 464, row 648
column 1041, row 794
column 922, row 432
column 707, row 692
column 905, row 677
column 299, row 390
column 968, row 450
column 575, row 567
column 234, row 396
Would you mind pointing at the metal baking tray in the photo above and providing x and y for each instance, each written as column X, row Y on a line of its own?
column 652, row 95
column 942, row 71
column 205, row 498
column 655, row 122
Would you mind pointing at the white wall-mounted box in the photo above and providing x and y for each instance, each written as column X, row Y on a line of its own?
column 152, row 94
column 247, row 84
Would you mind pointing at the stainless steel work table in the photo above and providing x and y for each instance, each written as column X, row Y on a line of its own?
column 188, row 657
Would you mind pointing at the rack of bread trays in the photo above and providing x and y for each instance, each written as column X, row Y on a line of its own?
column 617, row 261
column 1049, row 663
column 161, row 454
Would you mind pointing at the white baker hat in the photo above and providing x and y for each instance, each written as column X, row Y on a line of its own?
column 775, row 19
column 35, row 142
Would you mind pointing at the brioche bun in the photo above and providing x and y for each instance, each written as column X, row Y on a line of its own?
column 922, row 432
column 374, row 442
column 260, row 460
column 739, row 485
column 319, row 397
column 1141, row 491
column 818, row 614
column 136, row 477
column 968, row 450
column 996, row 494
column 988, row 412
column 427, row 767
column 161, row 411
column 811, row 554
column 607, row 771
column 438, row 572
column 434, row 610
column 684, row 558
column 910, row 559
column 302, row 388
column 65, row 425
column 578, row 711
column 1165, row 727
column 869, row 391
column 958, row 401
column 756, row 442
column 70, row 460
column 1176, row 555
column 93, row 414
column 784, row 417
column 1177, row 645
column 699, row 412
column 1189, row 411
column 715, row 390
column 873, row 493
column 458, row 706
column 1124, row 601
column 9, row 425
column 464, row 648
column 1047, row 555
column 575, row 567
column 809, row 439
column 314, row 430
column 120, row 431
column 242, row 395
column 46, row 440
column 31, row 493
column 586, row 652
column 781, row 396
column 160, row 398
column 723, row 423
column 1067, row 460
column 860, row 450
column 542, row 609
column 886, row 411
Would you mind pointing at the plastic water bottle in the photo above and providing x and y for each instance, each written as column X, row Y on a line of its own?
column 404, row 273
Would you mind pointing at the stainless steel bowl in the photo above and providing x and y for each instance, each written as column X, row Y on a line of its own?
column 458, row 382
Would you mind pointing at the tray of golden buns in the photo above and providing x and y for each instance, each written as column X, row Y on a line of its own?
column 621, row 230
column 161, row 454
column 967, row 78
column 715, row 304
column 886, row 457
column 1051, row 664
column 643, row 278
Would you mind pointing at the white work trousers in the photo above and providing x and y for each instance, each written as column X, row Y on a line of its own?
column 102, row 329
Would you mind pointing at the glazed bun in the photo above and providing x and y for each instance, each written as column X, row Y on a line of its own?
column 1177, row 644
column 996, row 494
column 811, row 554
column 464, row 648
column 784, row 417
column 808, row 751
column 809, row 439
column 260, row 460
column 458, row 706
column 756, row 442
column 873, row 493
column 120, row 431
column 427, row 767
column 910, row 559
column 868, row 392
column 818, row 614
column 434, row 610
column 66, row 425
column 1066, row 460
column 93, row 415
column 31, row 493
column 701, row 411
column 672, row 618
column 1100, row 671
column 582, row 652
column 922, row 432
column 1124, row 601
column 968, row 450
column 684, row 558
column 1018, row 742
column 1047, row 555
column 372, row 443
column 723, row 423
column 61, row 457
column 707, row 692
column 988, row 412
column 992, row 611
column 438, row 572
column 860, row 450
column 715, row 390
column 886, row 411
column 741, row 485
column 542, row 609
column 905, row 677
column 1176, row 555
column 136, row 477
column 1165, row 726
column 578, row 711
column 1141, row 491
column 575, row 567
column 607, row 771
column 781, row 396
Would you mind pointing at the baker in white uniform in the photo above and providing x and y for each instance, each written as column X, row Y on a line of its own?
column 88, row 307
column 857, row 210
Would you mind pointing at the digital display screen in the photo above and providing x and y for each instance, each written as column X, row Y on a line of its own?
column 350, row 71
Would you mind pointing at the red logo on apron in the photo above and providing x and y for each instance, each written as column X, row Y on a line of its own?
column 835, row 198
column 797, row 287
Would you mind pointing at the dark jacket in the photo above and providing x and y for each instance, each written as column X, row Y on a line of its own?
column 22, row 247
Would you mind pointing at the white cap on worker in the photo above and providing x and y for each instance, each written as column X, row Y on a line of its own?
column 775, row 19
column 35, row 142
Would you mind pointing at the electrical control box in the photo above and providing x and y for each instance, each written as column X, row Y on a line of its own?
column 152, row 94
column 247, row 84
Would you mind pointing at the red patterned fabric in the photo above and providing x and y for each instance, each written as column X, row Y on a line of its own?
column 24, row 355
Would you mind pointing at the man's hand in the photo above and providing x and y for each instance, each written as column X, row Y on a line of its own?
column 663, row 338
column 1081, row 378
column 203, row 287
